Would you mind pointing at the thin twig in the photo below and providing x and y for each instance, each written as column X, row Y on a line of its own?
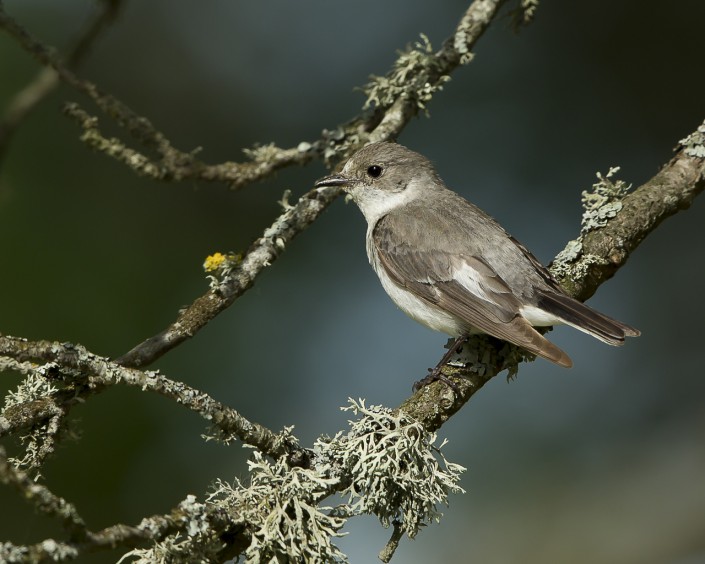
column 170, row 163
column 42, row 498
column 180, row 519
column 46, row 80
column 456, row 50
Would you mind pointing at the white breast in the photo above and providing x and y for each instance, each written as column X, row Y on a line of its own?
column 416, row 308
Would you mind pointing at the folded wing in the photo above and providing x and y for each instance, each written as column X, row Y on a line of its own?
column 463, row 286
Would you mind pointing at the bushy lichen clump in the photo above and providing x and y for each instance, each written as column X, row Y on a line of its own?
column 280, row 508
column 386, row 465
column 34, row 388
column 397, row 472
column 412, row 77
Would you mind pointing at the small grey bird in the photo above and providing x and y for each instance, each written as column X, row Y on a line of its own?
column 450, row 266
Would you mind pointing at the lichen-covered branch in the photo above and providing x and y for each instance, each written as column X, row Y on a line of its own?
column 419, row 73
column 588, row 262
column 175, row 165
column 386, row 465
column 47, row 79
column 397, row 106
column 41, row 497
column 138, row 126
column 164, row 162
column 236, row 279
column 673, row 189
column 82, row 373
column 397, row 97
column 186, row 519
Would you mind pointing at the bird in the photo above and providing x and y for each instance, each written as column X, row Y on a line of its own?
column 450, row 266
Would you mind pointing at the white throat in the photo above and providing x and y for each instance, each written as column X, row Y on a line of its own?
column 375, row 203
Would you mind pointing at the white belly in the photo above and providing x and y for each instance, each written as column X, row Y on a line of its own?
column 416, row 308
column 420, row 310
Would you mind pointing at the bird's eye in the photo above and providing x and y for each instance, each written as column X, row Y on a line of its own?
column 374, row 171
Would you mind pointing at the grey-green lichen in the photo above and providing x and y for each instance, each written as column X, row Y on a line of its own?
column 574, row 266
column 694, row 144
column 398, row 474
column 572, row 263
column 262, row 153
column 600, row 204
column 34, row 387
column 280, row 508
column 570, row 253
column 341, row 142
column 479, row 354
column 386, row 464
column 12, row 553
column 219, row 267
column 529, row 7
column 524, row 13
column 410, row 77
column 47, row 550
column 604, row 201
column 195, row 544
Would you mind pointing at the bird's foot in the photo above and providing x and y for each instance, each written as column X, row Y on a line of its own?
column 436, row 374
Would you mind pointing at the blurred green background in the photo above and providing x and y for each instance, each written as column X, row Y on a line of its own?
column 603, row 463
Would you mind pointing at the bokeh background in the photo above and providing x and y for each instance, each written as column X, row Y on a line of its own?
column 604, row 463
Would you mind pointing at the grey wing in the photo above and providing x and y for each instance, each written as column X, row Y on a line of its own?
column 554, row 301
column 462, row 285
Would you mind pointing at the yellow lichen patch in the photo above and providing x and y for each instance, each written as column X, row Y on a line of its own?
column 214, row 262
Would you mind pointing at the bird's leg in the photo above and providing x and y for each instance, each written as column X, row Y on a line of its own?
column 436, row 373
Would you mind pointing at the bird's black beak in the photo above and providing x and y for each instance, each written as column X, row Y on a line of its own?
column 333, row 180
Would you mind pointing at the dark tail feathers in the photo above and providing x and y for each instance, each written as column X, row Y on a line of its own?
column 578, row 315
